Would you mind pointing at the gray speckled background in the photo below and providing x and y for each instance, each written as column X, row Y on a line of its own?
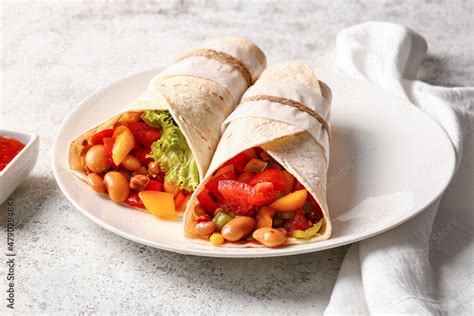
column 54, row 55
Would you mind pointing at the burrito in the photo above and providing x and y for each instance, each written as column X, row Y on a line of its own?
column 153, row 153
column 266, row 185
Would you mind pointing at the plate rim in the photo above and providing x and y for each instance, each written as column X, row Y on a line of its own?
column 200, row 252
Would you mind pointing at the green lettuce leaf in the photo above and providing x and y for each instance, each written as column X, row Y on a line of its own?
column 172, row 152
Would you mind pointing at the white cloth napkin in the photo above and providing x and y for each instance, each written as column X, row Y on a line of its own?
column 424, row 266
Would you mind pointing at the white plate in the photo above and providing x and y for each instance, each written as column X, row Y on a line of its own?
column 388, row 162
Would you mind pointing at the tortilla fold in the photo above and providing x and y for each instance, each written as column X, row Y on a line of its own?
column 271, row 115
column 200, row 90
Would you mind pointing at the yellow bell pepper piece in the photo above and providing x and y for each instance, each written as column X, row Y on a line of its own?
column 123, row 144
column 158, row 203
column 291, row 201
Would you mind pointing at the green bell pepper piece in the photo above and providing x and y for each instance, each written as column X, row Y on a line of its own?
column 310, row 232
column 221, row 219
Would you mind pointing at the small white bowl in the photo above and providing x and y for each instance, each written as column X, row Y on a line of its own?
column 18, row 169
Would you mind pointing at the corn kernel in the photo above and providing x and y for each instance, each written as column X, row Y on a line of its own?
column 216, row 239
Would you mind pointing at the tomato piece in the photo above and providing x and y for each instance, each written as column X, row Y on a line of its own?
column 138, row 128
column 141, row 155
column 299, row 221
column 154, row 185
column 213, row 183
column 237, row 195
column 134, row 200
column 207, row 202
column 109, row 144
column 264, row 193
column 160, row 177
column 242, row 159
column 98, row 138
column 272, row 175
column 147, row 135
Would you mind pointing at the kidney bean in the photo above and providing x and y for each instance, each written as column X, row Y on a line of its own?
column 96, row 159
column 269, row 237
column 131, row 163
column 117, row 185
column 237, row 228
column 205, row 229
column 96, row 182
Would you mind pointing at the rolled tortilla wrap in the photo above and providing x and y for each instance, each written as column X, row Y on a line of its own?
column 286, row 113
column 200, row 90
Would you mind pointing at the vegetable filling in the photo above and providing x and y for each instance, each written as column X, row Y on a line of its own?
column 143, row 161
column 252, row 198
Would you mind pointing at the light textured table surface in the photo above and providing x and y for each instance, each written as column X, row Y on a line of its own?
column 54, row 55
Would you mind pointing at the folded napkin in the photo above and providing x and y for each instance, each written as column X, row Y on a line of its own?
column 424, row 266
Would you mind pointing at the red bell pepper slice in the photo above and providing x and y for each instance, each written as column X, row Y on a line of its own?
column 109, row 144
column 98, row 138
column 179, row 199
column 297, row 186
column 213, row 183
column 207, row 202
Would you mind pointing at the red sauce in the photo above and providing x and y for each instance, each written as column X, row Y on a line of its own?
column 9, row 148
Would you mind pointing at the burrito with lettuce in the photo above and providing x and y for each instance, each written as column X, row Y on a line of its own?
column 266, row 185
column 153, row 153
